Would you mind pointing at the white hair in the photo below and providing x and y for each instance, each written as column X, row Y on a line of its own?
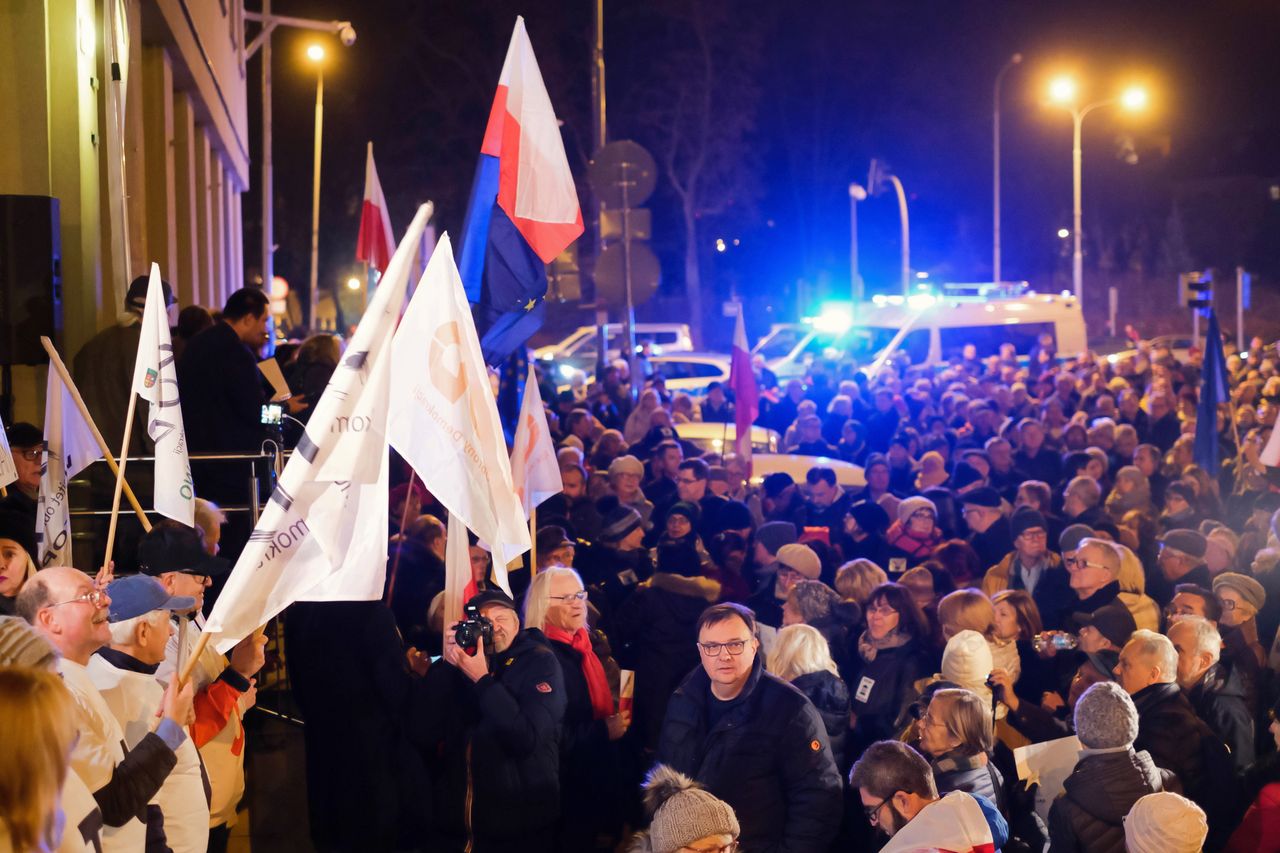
column 1205, row 638
column 536, row 599
column 125, row 633
column 800, row 650
column 1158, row 651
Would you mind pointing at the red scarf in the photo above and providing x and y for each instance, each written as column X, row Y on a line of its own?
column 592, row 670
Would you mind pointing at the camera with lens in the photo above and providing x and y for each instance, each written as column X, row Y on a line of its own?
column 473, row 630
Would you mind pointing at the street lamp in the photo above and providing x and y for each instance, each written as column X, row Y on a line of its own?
column 856, row 194
column 1063, row 91
column 315, row 53
column 995, row 171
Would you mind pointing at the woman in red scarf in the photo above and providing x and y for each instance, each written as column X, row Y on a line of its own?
column 915, row 534
column 591, row 784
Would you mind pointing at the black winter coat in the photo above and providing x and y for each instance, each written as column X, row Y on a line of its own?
column 830, row 696
column 970, row 774
column 993, row 544
column 493, row 747
column 366, row 785
column 1178, row 740
column 1220, row 699
column 768, row 757
column 1088, row 815
column 882, row 690
column 655, row 633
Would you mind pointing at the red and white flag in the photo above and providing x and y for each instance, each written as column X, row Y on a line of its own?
column 746, row 396
column 459, row 582
column 376, row 241
column 535, row 471
column 955, row 823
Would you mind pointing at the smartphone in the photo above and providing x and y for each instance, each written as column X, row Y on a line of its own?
column 272, row 414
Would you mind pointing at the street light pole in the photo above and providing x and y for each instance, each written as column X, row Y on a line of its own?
column 906, row 234
column 1077, row 214
column 996, row 271
column 316, row 54
column 856, row 194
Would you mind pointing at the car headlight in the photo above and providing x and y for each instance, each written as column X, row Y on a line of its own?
column 567, row 371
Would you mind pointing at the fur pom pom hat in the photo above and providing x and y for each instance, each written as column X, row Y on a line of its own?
column 682, row 812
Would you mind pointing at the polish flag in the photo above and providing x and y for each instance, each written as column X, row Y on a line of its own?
column 746, row 396
column 376, row 241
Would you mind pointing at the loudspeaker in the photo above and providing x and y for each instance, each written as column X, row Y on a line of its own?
column 30, row 277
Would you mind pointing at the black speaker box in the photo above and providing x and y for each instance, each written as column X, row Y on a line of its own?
column 30, row 277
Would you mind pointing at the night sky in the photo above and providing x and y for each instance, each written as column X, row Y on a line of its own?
column 803, row 96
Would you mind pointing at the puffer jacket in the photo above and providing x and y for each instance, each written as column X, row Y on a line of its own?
column 655, row 633
column 830, row 695
column 767, row 757
column 973, row 774
column 1089, row 814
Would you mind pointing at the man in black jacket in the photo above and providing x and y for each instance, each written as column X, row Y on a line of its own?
column 1216, row 691
column 753, row 740
column 990, row 533
column 490, row 728
column 1170, row 731
column 222, row 400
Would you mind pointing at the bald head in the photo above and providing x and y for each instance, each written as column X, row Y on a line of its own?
column 1199, row 646
column 1148, row 658
column 1101, row 552
column 59, row 603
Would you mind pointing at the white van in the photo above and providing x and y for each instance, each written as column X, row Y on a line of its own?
column 662, row 338
column 931, row 328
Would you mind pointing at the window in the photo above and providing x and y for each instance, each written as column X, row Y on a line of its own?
column 688, row 370
column 916, row 346
column 987, row 339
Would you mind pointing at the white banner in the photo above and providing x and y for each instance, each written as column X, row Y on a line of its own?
column 323, row 534
column 535, row 471
column 69, row 448
column 444, row 418
column 155, row 379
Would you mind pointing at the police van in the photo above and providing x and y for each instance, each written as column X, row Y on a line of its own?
column 931, row 328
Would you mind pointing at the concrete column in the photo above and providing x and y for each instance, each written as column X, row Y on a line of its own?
column 218, row 229
column 204, row 222
column 159, row 170
column 186, row 267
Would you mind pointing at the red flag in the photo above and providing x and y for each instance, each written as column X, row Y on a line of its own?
column 746, row 395
column 376, row 241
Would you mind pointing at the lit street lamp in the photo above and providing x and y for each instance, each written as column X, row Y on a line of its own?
column 856, row 194
column 315, row 53
column 996, row 272
column 1063, row 91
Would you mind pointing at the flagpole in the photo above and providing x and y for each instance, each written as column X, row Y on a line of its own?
column 404, row 518
column 533, row 542
column 115, row 498
column 55, row 362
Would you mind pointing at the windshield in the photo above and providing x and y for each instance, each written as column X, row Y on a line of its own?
column 780, row 342
column 860, row 344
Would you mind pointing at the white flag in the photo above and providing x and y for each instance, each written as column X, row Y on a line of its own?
column 8, row 470
column 323, row 534
column 155, row 379
column 444, row 419
column 69, row 448
column 459, row 583
column 535, row 471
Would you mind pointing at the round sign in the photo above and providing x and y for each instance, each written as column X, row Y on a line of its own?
column 622, row 174
column 610, row 276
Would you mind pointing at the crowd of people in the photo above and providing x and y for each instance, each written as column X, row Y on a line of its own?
column 1033, row 555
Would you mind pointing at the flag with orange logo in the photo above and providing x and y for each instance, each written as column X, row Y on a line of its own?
column 534, row 468
column 323, row 534
column 444, row 418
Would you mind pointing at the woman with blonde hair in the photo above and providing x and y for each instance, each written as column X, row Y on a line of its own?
column 965, row 610
column 856, row 579
column 36, row 740
column 957, row 736
column 17, row 556
column 591, row 784
column 801, row 656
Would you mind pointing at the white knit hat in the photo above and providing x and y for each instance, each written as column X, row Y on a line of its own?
column 909, row 506
column 966, row 661
column 802, row 559
column 1165, row 823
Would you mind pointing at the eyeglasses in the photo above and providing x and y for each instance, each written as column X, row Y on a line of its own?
column 1227, row 603
column 922, row 513
column 580, row 595
column 96, row 597
column 733, row 647
column 731, row 847
column 1035, row 533
column 873, row 812
column 1086, row 564
column 686, row 481
column 1068, row 562
column 31, row 454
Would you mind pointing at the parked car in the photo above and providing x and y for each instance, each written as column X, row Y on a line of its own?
column 718, row 438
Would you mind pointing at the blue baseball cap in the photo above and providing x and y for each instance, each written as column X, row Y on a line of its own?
column 136, row 595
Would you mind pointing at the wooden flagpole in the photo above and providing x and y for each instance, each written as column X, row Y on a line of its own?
column 124, row 458
column 533, row 542
column 55, row 363
column 404, row 519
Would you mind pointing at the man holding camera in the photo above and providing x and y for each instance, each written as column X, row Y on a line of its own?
column 490, row 730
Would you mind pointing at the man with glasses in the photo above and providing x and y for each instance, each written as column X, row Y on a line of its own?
column 66, row 607
column 1192, row 600
column 177, row 557
column 1032, row 567
column 752, row 740
column 989, row 531
column 26, row 445
column 490, row 726
column 899, row 797
column 1181, row 560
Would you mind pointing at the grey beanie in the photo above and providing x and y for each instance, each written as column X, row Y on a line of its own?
column 683, row 811
column 23, row 645
column 774, row 534
column 1105, row 717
